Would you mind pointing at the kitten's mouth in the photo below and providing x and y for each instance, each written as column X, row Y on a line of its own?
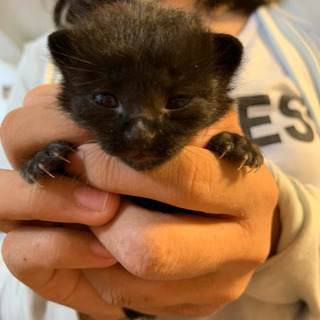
column 140, row 156
column 142, row 160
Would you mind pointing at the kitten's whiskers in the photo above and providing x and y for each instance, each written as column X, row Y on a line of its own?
column 87, row 82
column 81, row 69
column 59, row 53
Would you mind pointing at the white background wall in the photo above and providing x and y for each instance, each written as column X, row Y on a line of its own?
column 22, row 21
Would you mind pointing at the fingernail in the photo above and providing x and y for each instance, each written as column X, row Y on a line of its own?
column 80, row 154
column 91, row 198
column 99, row 249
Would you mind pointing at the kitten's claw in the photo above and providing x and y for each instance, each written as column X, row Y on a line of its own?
column 48, row 161
column 236, row 148
column 57, row 155
column 43, row 168
column 32, row 178
column 245, row 159
column 228, row 148
column 255, row 167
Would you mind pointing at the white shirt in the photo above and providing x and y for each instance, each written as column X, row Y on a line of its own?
column 272, row 112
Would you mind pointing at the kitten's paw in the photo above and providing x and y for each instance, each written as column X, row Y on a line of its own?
column 47, row 161
column 237, row 148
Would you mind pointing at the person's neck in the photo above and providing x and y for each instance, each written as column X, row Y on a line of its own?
column 220, row 19
column 223, row 20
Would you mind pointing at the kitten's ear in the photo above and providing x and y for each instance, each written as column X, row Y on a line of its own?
column 228, row 55
column 62, row 49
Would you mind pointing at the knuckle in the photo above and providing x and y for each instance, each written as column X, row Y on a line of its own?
column 45, row 92
column 6, row 123
column 233, row 293
column 8, row 135
column 7, row 127
column 222, row 289
column 146, row 261
column 123, row 290
column 150, row 258
column 261, row 257
column 6, row 249
column 30, row 96
column 116, row 295
column 14, row 258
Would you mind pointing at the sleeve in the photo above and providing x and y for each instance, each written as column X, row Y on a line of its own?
column 292, row 275
column 31, row 70
column 30, row 74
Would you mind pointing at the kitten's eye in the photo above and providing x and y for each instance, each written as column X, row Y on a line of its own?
column 178, row 102
column 106, row 100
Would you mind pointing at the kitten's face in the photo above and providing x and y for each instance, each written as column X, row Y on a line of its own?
column 145, row 115
column 146, row 86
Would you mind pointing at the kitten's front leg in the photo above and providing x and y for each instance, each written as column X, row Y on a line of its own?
column 237, row 148
column 47, row 161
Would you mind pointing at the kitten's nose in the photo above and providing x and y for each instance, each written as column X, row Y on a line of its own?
column 140, row 132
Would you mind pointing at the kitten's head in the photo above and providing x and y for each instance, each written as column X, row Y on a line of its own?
column 144, row 79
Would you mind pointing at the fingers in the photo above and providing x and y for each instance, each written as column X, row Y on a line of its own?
column 52, row 248
column 193, row 297
column 49, row 260
column 196, row 179
column 60, row 200
column 119, row 287
column 58, row 262
column 21, row 126
column 43, row 95
column 158, row 246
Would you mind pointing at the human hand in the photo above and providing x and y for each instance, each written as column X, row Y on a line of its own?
column 45, row 249
column 181, row 265
column 21, row 202
column 47, row 244
column 167, row 272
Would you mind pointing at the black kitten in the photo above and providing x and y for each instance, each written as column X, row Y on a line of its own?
column 144, row 80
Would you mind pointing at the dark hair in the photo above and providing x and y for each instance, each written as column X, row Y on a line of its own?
column 70, row 10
